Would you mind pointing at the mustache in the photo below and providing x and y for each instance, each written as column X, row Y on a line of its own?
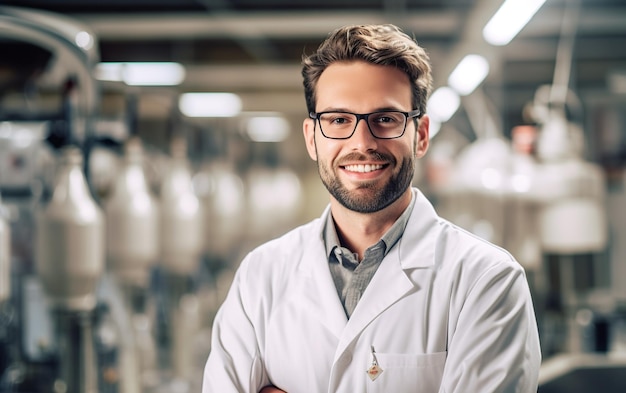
column 356, row 156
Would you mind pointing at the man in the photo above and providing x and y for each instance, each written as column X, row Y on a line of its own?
column 379, row 294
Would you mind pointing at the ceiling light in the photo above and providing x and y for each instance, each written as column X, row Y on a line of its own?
column 153, row 74
column 468, row 74
column 509, row 20
column 209, row 104
column 442, row 104
column 142, row 74
column 267, row 128
column 110, row 71
column 84, row 40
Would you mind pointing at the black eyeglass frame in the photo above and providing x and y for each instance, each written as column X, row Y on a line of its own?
column 365, row 116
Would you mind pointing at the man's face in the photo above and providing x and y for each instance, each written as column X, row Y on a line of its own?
column 363, row 173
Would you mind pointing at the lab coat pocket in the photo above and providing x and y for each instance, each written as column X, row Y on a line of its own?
column 408, row 373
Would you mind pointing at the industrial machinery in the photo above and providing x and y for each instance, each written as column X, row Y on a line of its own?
column 70, row 262
column 181, row 249
column 542, row 196
column 62, row 338
column 85, row 266
column 132, row 239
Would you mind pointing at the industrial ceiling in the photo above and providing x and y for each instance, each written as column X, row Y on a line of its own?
column 254, row 47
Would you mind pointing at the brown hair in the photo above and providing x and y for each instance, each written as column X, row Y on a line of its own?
column 376, row 44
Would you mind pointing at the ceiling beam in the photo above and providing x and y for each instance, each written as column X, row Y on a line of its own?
column 289, row 24
column 253, row 24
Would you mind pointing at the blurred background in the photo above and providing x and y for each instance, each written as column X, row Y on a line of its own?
column 147, row 146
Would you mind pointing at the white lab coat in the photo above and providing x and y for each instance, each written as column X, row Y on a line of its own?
column 445, row 312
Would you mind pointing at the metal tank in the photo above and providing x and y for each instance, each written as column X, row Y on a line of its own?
column 70, row 239
column 181, row 234
column 132, row 221
column 69, row 264
column 181, row 215
column 132, row 247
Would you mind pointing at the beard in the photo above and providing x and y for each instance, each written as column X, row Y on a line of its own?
column 369, row 197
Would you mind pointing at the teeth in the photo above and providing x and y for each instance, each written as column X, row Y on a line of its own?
column 363, row 168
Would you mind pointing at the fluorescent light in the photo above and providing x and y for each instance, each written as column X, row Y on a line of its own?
column 153, row 74
column 267, row 128
column 442, row 104
column 468, row 74
column 142, row 74
column 209, row 104
column 110, row 71
column 509, row 20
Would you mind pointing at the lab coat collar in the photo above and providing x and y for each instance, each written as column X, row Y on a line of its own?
column 415, row 249
column 319, row 293
column 417, row 244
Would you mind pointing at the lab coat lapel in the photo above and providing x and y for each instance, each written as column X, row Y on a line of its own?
column 388, row 285
column 319, row 293
column 415, row 249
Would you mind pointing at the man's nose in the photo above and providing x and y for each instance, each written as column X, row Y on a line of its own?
column 362, row 138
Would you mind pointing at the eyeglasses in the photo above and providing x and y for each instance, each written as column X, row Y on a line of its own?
column 382, row 124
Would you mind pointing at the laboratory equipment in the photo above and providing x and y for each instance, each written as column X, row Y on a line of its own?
column 132, row 248
column 181, row 234
column 69, row 263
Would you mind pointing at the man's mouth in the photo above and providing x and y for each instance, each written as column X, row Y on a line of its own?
column 363, row 168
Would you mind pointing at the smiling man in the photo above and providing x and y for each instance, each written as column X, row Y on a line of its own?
column 379, row 294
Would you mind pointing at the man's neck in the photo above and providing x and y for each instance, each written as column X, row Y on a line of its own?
column 358, row 231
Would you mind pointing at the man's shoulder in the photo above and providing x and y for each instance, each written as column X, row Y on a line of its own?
column 293, row 240
column 281, row 257
column 471, row 247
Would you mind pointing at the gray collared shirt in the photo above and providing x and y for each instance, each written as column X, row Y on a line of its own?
column 351, row 277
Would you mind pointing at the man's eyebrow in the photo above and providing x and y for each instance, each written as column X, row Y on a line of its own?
column 380, row 109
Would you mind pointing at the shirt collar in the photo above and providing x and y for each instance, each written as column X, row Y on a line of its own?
column 390, row 237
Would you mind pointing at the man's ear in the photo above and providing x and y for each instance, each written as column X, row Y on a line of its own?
column 308, row 129
column 422, row 137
